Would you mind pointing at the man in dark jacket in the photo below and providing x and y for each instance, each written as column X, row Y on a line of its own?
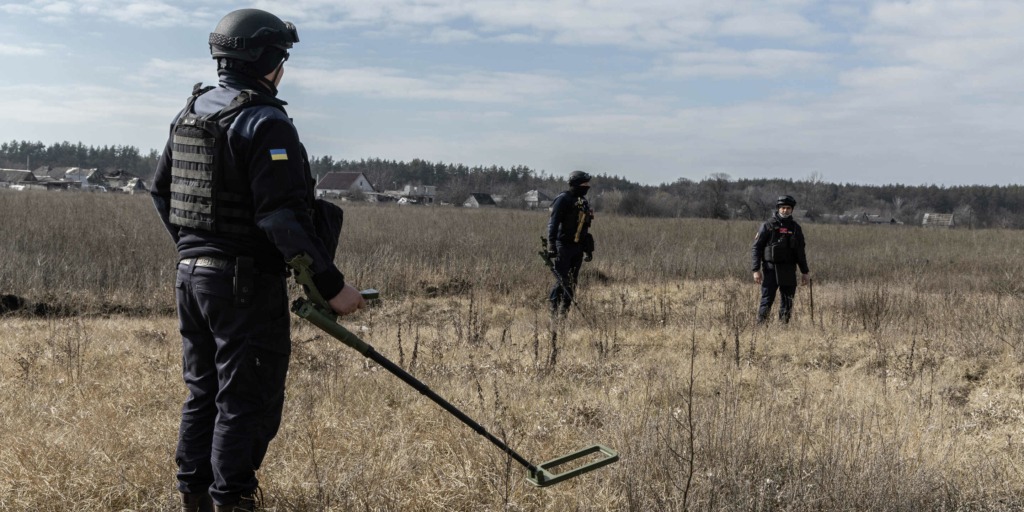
column 569, row 240
column 778, row 251
column 234, row 191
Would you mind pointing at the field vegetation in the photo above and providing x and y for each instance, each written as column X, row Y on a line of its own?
column 902, row 389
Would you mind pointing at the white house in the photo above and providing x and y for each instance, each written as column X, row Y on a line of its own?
column 538, row 199
column 337, row 184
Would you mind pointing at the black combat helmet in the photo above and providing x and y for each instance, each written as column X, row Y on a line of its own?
column 252, row 41
column 785, row 201
column 577, row 178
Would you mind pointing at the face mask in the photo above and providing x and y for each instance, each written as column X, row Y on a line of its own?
column 580, row 191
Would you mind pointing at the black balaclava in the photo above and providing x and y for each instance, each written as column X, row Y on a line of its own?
column 271, row 58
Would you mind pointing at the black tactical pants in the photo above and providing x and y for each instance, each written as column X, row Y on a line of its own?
column 234, row 363
column 567, row 272
column 769, row 286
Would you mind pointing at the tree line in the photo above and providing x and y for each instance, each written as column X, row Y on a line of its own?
column 714, row 196
column 32, row 155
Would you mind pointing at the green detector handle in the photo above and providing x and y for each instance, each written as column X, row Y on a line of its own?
column 316, row 310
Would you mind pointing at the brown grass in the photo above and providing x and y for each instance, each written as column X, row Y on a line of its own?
column 905, row 392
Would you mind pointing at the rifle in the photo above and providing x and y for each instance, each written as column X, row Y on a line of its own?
column 318, row 312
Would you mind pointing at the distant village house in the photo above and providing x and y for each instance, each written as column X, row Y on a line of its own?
column 938, row 220
column 416, row 194
column 479, row 200
column 343, row 184
column 16, row 179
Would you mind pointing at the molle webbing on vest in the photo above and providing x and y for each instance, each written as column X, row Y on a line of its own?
column 206, row 193
column 192, row 173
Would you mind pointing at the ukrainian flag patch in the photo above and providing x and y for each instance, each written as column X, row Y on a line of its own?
column 278, row 154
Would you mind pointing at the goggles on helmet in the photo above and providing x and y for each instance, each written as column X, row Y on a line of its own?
column 264, row 37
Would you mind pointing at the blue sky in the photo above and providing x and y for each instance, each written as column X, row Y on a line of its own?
column 873, row 92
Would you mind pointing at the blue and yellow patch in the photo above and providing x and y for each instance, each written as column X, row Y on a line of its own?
column 278, row 154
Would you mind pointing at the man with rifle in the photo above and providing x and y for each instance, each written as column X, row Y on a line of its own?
column 234, row 190
column 569, row 240
column 778, row 251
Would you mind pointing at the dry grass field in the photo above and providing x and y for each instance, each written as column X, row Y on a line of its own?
column 905, row 392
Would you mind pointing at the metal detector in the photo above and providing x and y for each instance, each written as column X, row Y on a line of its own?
column 316, row 310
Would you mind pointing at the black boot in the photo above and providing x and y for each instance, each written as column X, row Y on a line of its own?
column 246, row 503
column 196, row 502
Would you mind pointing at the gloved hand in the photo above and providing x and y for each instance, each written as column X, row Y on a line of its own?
column 552, row 253
column 588, row 256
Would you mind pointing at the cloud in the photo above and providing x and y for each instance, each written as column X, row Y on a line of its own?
column 17, row 9
column 468, row 87
column 133, row 12
column 942, row 51
column 635, row 23
column 782, row 25
column 52, row 104
column 20, row 51
column 444, row 35
column 631, row 23
column 156, row 14
column 60, row 9
column 48, row 113
column 729, row 63
column 161, row 71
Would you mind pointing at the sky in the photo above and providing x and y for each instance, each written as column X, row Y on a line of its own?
column 913, row 92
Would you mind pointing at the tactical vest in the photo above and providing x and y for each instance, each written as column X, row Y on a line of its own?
column 575, row 219
column 782, row 245
column 206, row 192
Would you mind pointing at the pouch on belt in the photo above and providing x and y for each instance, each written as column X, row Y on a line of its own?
column 244, row 281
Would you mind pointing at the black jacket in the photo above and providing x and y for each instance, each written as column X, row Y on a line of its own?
column 782, row 232
column 263, row 143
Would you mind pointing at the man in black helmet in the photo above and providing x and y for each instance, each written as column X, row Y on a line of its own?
column 778, row 251
column 234, row 191
column 569, row 240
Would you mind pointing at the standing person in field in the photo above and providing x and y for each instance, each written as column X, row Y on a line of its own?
column 234, row 190
column 569, row 240
column 778, row 251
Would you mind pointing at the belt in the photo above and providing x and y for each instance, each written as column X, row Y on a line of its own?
column 206, row 261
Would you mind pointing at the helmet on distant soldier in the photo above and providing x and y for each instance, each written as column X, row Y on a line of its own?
column 785, row 201
column 577, row 178
column 252, row 41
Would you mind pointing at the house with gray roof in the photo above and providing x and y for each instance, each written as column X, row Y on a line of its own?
column 339, row 184
column 16, row 177
column 50, row 172
column 479, row 200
